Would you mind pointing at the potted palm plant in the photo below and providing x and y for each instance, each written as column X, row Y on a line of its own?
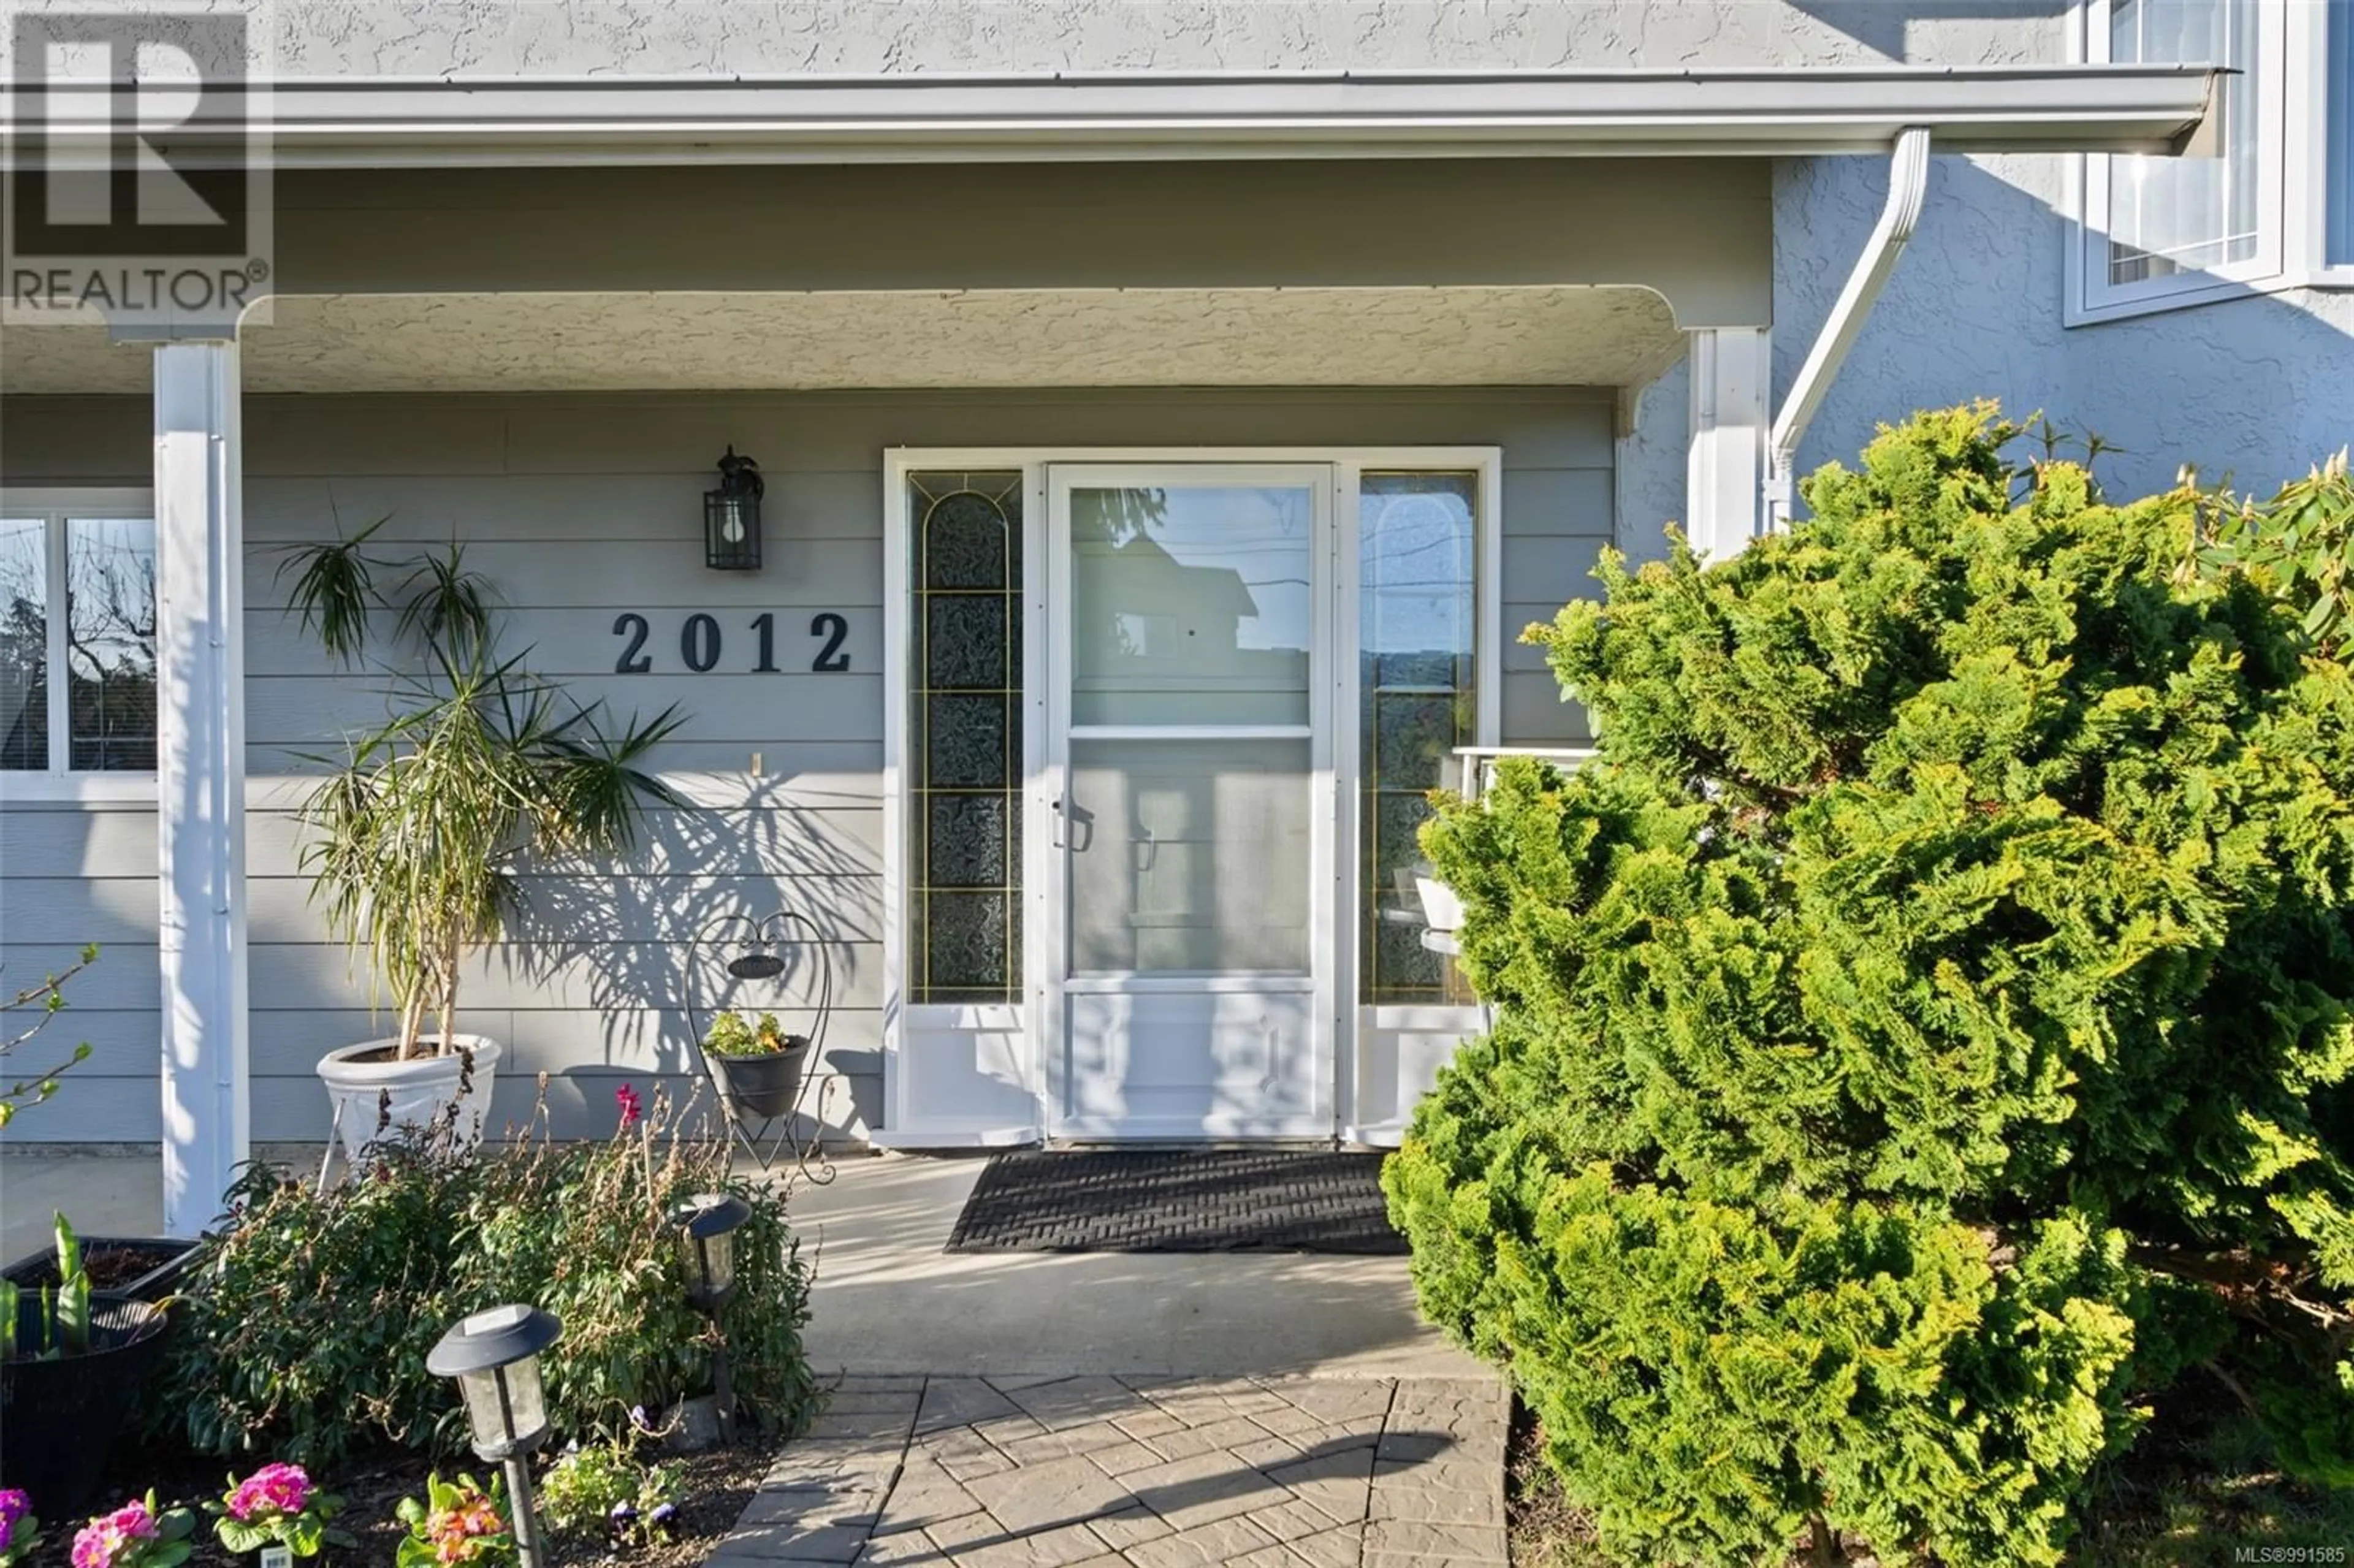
column 415, row 836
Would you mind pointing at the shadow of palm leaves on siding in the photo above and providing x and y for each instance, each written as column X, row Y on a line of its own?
column 622, row 938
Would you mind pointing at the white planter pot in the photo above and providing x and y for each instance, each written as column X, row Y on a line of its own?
column 411, row 1093
column 1441, row 909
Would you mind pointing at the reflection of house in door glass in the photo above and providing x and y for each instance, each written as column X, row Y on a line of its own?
column 1190, row 605
column 1191, row 608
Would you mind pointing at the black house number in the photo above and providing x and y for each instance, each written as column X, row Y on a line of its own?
column 701, row 643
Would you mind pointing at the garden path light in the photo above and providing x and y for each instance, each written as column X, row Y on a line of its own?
column 494, row 1356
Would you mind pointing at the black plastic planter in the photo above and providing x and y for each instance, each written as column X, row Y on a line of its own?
column 152, row 1266
column 765, row 1086
column 58, row 1417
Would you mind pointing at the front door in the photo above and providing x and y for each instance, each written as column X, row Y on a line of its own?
column 1187, row 794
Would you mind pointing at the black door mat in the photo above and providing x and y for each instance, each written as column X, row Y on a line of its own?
column 1179, row 1200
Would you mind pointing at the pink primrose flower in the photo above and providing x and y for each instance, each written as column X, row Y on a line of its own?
column 95, row 1545
column 273, row 1488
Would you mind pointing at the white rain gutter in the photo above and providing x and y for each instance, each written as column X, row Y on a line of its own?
column 1908, row 184
column 391, row 122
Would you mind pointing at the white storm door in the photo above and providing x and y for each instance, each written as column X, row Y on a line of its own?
column 1188, row 796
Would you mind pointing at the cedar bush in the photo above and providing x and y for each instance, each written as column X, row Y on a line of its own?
column 1923, row 1030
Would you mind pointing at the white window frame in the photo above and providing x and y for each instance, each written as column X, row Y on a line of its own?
column 59, row 782
column 2308, row 103
column 1024, row 1020
column 2291, row 160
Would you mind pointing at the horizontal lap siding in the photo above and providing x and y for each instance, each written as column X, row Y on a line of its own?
column 1557, row 522
column 580, row 509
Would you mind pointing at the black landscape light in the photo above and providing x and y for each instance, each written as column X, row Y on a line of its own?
column 494, row 1356
column 706, row 1225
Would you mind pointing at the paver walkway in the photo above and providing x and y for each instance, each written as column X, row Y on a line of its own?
column 1334, row 1472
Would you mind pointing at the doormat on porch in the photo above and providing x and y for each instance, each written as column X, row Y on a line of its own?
column 1178, row 1199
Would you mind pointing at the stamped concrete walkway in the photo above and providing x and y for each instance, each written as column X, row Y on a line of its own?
column 1330, row 1472
column 1146, row 1409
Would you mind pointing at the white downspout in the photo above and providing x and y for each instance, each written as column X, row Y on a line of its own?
column 1908, row 183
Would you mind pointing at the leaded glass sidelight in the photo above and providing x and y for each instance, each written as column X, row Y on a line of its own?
column 964, row 730
column 1417, row 639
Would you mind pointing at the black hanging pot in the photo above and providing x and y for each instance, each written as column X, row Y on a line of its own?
column 59, row 1416
column 768, row 1084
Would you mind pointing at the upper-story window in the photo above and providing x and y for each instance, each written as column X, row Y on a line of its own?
column 2271, row 207
column 76, row 640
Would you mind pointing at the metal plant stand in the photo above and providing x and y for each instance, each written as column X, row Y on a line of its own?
column 757, row 958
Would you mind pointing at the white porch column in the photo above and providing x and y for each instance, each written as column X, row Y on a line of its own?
column 201, row 774
column 1725, row 469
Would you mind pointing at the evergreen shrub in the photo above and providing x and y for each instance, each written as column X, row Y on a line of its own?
column 1923, row 1030
column 306, row 1334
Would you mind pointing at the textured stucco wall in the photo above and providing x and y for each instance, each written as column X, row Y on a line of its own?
column 751, row 36
column 2253, row 390
column 2257, row 389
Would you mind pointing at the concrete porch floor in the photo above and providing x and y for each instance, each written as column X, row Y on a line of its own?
column 887, row 1299
column 111, row 1193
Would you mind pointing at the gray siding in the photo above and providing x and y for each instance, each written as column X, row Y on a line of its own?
column 580, row 508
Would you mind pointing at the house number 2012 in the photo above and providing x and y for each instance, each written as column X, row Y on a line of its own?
column 699, row 644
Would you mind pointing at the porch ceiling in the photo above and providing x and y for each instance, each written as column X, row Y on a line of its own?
column 1522, row 336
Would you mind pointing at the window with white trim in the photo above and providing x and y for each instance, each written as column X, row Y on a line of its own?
column 2267, row 206
column 2338, row 156
column 76, row 641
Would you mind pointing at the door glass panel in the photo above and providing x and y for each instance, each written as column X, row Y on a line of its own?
column 24, row 645
column 964, row 737
column 1189, row 856
column 1419, row 615
column 111, row 643
column 1191, row 605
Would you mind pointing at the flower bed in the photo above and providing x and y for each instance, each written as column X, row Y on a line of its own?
column 713, row 1487
column 299, row 1363
column 308, row 1340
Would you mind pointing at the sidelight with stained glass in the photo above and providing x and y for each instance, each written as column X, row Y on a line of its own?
column 964, row 728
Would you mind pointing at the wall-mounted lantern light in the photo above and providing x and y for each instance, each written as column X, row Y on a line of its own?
column 731, row 516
